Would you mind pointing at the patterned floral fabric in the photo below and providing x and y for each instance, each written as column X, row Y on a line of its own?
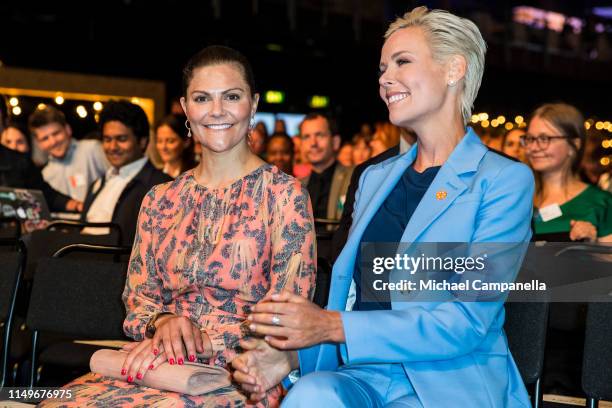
column 211, row 254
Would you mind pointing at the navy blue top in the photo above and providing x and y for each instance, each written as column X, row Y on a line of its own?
column 388, row 225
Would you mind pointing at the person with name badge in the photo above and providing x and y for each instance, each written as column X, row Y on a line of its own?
column 567, row 208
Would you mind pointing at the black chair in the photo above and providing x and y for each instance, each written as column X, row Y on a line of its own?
column 10, row 229
column 58, row 234
column 525, row 328
column 115, row 233
column 76, row 298
column 11, row 271
column 597, row 360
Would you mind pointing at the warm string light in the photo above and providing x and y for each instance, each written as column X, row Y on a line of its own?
column 81, row 111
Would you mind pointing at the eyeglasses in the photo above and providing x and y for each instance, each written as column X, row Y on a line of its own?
column 542, row 141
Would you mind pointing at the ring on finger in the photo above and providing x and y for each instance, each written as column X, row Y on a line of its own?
column 276, row 320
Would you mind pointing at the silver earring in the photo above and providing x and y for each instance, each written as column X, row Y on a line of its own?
column 452, row 82
column 188, row 128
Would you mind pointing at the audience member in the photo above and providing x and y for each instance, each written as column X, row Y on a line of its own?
column 511, row 144
column 554, row 144
column 14, row 136
column 73, row 165
column 261, row 126
column 116, row 196
column 257, row 142
column 301, row 167
column 386, row 136
column 361, row 149
column 345, row 154
column 590, row 166
column 280, row 126
column 174, row 145
column 329, row 180
column 279, row 152
column 17, row 170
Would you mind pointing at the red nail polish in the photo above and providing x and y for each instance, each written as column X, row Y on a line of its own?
column 123, row 371
column 180, row 361
column 192, row 358
column 171, row 361
column 155, row 352
column 130, row 378
column 139, row 376
column 151, row 367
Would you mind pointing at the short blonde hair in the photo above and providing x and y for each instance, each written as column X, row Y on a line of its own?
column 450, row 35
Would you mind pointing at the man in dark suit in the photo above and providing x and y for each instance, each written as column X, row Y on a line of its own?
column 328, row 182
column 117, row 195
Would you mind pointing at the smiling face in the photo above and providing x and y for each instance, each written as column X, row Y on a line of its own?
column 15, row 140
column 412, row 84
column 53, row 139
column 169, row 145
column 280, row 153
column 554, row 157
column 120, row 144
column 219, row 106
column 319, row 145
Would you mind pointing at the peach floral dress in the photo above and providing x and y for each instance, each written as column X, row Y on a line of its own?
column 210, row 254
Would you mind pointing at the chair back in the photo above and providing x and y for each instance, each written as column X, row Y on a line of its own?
column 78, row 298
column 44, row 243
column 597, row 359
column 525, row 328
column 11, row 270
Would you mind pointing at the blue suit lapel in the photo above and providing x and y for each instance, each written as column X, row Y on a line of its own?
column 381, row 180
column 447, row 186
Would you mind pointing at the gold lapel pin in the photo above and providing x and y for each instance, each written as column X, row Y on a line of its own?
column 441, row 195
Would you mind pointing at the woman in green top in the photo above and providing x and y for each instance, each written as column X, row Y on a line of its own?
column 554, row 145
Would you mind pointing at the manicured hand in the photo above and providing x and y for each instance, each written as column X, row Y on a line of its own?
column 180, row 338
column 140, row 360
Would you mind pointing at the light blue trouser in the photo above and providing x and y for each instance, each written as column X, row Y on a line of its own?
column 363, row 385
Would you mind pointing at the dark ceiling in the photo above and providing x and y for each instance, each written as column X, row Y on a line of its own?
column 302, row 47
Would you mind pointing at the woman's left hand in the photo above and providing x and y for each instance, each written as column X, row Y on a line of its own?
column 580, row 230
column 289, row 321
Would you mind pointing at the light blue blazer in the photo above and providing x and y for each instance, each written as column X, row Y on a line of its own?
column 454, row 353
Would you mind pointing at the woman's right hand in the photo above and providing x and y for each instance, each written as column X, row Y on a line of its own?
column 140, row 360
column 178, row 335
column 582, row 230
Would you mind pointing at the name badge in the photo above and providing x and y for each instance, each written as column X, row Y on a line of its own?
column 77, row 180
column 550, row 212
